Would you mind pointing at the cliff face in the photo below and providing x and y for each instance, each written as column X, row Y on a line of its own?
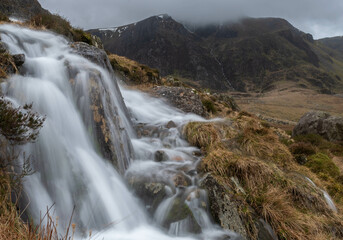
column 250, row 55
column 21, row 8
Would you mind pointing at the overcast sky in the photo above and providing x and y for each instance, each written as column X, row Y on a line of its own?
column 321, row 18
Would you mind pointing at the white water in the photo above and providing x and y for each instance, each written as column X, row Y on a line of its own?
column 69, row 171
column 327, row 197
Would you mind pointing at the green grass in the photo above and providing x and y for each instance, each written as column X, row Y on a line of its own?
column 322, row 165
column 209, row 105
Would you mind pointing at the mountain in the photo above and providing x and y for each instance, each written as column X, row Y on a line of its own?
column 21, row 8
column 254, row 54
column 167, row 45
column 334, row 46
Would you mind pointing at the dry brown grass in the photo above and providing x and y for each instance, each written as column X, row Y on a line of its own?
column 273, row 182
column 202, row 135
column 290, row 104
column 12, row 227
column 261, row 141
column 279, row 213
column 134, row 72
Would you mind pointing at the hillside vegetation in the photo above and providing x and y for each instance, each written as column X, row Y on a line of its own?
column 261, row 170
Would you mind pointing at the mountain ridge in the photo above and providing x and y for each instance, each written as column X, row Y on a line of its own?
column 254, row 54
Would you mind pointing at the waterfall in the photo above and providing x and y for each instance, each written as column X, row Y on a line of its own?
column 327, row 197
column 71, row 169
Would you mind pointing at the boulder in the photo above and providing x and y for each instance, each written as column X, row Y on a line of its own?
column 151, row 193
column 321, row 123
column 186, row 99
column 171, row 124
column 161, row 156
column 179, row 212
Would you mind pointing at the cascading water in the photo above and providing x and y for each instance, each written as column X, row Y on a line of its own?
column 69, row 170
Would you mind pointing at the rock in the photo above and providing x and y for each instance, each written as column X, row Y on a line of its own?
column 151, row 193
column 222, row 207
column 3, row 48
column 224, row 210
column 181, row 180
column 179, row 211
column 23, row 9
column 321, row 123
column 265, row 231
column 97, row 42
column 93, row 54
column 101, row 119
column 183, row 98
column 171, row 124
column 161, row 156
column 18, row 59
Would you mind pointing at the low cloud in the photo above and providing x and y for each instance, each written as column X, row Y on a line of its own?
column 319, row 17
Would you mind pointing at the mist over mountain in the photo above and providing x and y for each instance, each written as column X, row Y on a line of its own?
column 309, row 15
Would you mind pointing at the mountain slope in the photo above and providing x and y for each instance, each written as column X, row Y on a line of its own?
column 165, row 44
column 250, row 55
column 21, row 8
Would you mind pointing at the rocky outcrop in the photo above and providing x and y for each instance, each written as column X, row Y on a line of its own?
column 223, row 209
column 321, row 123
column 21, row 8
column 102, row 119
column 93, row 54
column 183, row 98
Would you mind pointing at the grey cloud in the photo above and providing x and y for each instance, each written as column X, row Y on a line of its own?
column 319, row 17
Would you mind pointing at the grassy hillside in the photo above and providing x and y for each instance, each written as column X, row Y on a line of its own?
column 261, row 170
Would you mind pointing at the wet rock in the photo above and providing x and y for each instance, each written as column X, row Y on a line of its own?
column 222, row 207
column 161, row 156
column 183, row 98
column 265, row 231
column 3, row 48
column 321, row 123
column 179, row 211
column 93, row 54
column 103, row 121
column 180, row 179
column 151, row 193
column 18, row 59
column 171, row 124
column 192, row 172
